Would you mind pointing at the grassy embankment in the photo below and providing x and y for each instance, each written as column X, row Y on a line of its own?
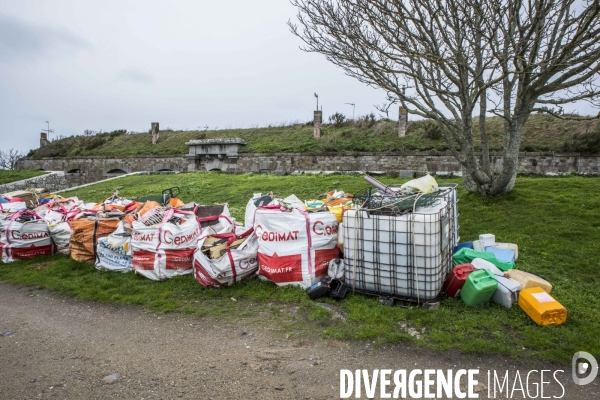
column 541, row 133
column 553, row 220
column 7, row 176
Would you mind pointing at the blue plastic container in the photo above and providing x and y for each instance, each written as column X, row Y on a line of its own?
column 503, row 255
column 468, row 245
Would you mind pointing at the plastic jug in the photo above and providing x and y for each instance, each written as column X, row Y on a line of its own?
column 541, row 307
column 457, row 278
column 507, row 292
column 488, row 239
column 468, row 245
column 480, row 263
column 528, row 280
column 508, row 246
column 479, row 287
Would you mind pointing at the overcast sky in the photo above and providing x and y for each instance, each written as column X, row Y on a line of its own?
column 186, row 64
column 106, row 65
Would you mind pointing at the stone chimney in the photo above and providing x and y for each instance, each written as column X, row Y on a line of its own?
column 43, row 139
column 318, row 121
column 402, row 122
column 154, row 132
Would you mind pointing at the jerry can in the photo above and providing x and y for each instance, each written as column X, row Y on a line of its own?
column 456, row 279
column 479, row 287
column 468, row 245
column 480, row 263
column 503, row 255
column 528, row 280
column 508, row 246
column 507, row 292
column 541, row 307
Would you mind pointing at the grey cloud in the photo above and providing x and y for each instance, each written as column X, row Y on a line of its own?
column 135, row 75
column 19, row 39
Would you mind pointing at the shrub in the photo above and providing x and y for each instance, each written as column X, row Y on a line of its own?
column 365, row 121
column 384, row 126
column 337, row 119
column 427, row 128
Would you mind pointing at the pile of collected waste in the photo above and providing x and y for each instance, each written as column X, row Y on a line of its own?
column 398, row 242
column 485, row 271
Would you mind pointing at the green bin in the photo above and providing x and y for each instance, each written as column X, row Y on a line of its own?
column 479, row 287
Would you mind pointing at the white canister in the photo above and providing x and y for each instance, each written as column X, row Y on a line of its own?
column 488, row 239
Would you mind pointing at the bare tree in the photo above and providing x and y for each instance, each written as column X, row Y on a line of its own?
column 464, row 58
column 9, row 158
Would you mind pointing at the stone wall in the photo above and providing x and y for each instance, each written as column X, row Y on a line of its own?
column 53, row 181
column 84, row 170
column 530, row 163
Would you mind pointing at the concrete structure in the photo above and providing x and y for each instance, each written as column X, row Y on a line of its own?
column 214, row 154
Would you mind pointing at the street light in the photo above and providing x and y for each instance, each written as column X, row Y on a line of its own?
column 317, row 96
column 352, row 104
column 49, row 131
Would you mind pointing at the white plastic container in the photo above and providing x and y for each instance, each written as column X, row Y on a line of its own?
column 407, row 256
column 478, row 245
column 480, row 263
column 507, row 292
column 488, row 239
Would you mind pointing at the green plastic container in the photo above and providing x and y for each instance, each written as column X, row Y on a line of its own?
column 466, row 255
column 479, row 287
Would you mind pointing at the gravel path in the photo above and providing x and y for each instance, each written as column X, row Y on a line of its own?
column 63, row 348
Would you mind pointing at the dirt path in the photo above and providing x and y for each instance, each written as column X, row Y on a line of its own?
column 63, row 348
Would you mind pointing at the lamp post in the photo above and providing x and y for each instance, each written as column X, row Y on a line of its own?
column 48, row 131
column 353, row 105
column 317, row 96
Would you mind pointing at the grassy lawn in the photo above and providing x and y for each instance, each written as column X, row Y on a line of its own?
column 7, row 176
column 553, row 220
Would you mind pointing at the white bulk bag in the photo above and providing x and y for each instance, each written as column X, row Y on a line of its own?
column 232, row 267
column 22, row 240
column 167, row 249
column 294, row 246
column 60, row 233
column 113, row 252
column 13, row 207
column 251, row 208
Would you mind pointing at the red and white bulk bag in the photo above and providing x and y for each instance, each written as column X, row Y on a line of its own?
column 235, row 265
column 25, row 239
column 167, row 249
column 219, row 224
column 295, row 247
column 113, row 252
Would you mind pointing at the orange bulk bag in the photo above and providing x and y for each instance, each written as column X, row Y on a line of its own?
column 85, row 233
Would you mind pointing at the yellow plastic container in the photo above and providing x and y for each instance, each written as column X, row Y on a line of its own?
column 527, row 280
column 338, row 211
column 541, row 307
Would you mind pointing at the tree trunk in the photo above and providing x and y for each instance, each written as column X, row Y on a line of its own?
column 502, row 181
